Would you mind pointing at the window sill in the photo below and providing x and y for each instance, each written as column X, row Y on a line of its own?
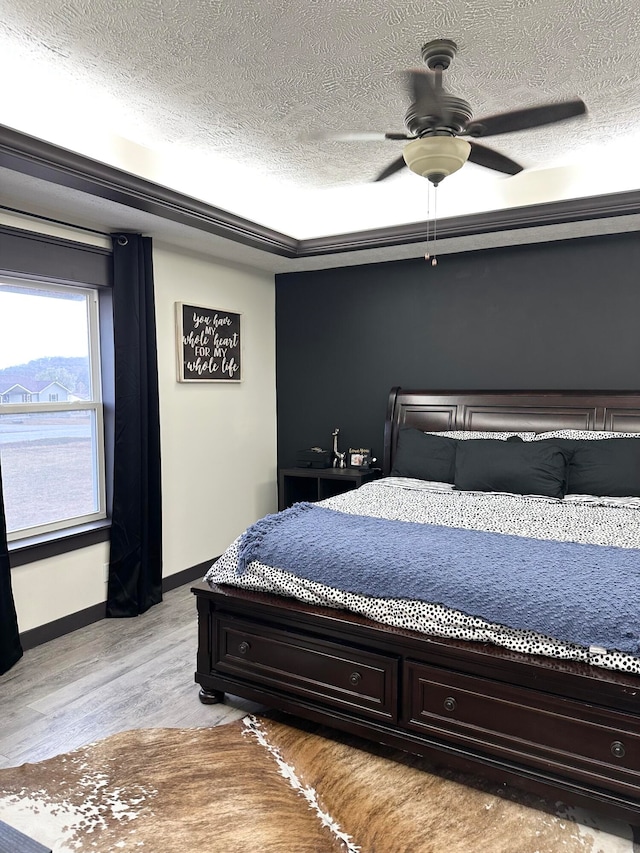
column 34, row 548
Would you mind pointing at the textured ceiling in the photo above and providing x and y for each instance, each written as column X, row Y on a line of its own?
column 252, row 80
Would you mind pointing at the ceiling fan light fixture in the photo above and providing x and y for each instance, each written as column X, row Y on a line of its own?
column 436, row 157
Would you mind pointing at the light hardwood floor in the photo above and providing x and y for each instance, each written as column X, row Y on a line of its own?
column 113, row 675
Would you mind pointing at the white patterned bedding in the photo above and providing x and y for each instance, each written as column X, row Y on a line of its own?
column 580, row 519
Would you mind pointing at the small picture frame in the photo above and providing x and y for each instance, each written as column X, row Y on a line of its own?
column 359, row 457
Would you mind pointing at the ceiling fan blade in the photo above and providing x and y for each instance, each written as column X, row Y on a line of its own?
column 364, row 136
column 483, row 156
column 391, row 169
column 525, row 118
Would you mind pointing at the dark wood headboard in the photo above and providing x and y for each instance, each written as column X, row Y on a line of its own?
column 513, row 411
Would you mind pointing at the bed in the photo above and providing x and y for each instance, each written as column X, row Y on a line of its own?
column 554, row 714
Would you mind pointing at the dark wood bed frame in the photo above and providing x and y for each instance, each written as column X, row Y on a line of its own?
column 560, row 730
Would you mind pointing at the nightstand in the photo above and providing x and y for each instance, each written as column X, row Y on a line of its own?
column 316, row 484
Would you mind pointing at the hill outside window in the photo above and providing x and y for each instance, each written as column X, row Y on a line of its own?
column 51, row 413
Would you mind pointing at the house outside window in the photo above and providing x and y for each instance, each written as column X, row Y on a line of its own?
column 51, row 413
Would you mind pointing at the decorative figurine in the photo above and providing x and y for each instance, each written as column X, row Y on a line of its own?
column 338, row 457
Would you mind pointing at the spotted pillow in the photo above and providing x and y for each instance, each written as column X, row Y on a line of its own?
column 464, row 434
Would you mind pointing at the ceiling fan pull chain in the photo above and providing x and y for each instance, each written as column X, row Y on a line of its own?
column 434, row 259
column 427, row 256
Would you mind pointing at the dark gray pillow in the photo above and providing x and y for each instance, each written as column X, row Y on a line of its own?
column 605, row 467
column 522, row 468
column 424, row 457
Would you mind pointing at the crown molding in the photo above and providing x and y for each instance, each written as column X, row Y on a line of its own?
column 37, row 158
column 509, row 219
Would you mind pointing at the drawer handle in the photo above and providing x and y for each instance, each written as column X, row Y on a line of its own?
column 244, row 647
column 450, row 703
column 617, row 749
column 355, row 678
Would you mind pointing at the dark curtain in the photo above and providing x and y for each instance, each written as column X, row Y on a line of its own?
column 10, row 648
column 135, row 564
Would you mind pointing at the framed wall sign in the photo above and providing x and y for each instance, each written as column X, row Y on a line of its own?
column 208, row 344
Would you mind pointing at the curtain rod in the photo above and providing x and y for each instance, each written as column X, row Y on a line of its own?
column 55, row 221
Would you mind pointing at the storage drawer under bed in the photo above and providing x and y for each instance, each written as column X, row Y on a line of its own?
column 515, row 721
column 331, row 673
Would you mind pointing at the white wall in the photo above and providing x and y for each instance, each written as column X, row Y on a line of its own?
column 218, row 441
column 50, row 589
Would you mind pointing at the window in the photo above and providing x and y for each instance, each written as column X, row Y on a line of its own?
column 51, row 414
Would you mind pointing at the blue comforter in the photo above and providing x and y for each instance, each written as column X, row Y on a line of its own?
column 585, row 594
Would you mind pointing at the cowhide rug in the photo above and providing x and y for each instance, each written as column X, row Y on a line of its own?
column 261, row 786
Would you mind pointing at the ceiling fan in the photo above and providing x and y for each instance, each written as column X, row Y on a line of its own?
column 436, row 121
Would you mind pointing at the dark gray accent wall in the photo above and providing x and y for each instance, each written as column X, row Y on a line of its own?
column 561, row 315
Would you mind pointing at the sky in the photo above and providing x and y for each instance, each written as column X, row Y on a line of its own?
column 36, row 326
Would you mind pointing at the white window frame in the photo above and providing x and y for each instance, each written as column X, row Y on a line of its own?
column 95, row 406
